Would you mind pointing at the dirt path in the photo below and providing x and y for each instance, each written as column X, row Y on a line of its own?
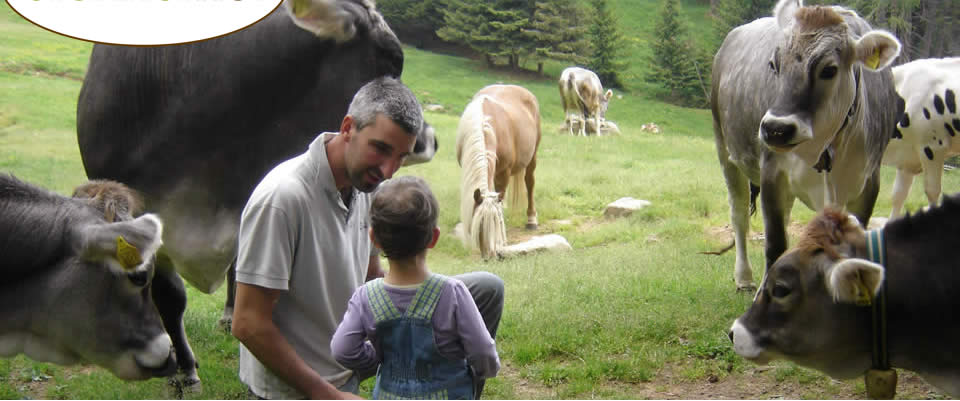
column 756, row 383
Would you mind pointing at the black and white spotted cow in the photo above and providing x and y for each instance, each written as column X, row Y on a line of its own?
column 803, row 106
column 76, row 287
column 926, row 133
column 812, row 307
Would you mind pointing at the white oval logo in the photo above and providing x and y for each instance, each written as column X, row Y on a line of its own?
column 143, row 22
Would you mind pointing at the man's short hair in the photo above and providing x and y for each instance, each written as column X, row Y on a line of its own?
column 390, row 97
column 403, row 215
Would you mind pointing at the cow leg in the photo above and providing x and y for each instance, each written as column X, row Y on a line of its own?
column 862, row 207
column 776, row 203
column 531, row 208
column 738, row 195
column 932, row 173
column 170, row 296
column 901, row 188
column 226, row 320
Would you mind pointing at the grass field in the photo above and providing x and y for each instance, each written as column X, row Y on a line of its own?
column 634, row 311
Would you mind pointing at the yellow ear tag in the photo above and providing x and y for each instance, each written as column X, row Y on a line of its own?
column 874, row 60
column 128, row 255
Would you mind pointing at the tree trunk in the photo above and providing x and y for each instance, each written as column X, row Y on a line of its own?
column 930, row 19
column 540, row 67
column 489, row 60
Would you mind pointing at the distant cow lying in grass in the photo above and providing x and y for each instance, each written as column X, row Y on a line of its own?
column 926, row 132
column 77, row 287
column 806, row 309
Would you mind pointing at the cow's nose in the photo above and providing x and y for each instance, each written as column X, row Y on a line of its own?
column 730, row 335
column 778, row 133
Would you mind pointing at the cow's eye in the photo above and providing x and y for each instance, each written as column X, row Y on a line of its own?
column 772, row 66
column 828, row 72
column 780, row 291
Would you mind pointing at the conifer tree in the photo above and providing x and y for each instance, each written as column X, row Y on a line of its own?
column 729, row 14
column 558, row 32
column 607, row 42
column 675, row 64
column 494, row 29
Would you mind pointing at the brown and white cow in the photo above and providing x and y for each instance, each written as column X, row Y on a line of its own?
column 806, row 309
column 926, row 133
column 805, row 91
column 76, row 287
column 583, row 99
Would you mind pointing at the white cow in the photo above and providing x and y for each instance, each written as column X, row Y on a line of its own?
column 583, row 97
column 925, row 134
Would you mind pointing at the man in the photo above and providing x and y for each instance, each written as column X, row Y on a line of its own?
column 304, row 248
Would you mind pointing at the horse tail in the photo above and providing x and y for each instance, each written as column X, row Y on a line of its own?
column 488, row 231
column 517, row 189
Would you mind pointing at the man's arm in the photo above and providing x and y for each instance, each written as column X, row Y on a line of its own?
column 253, row 326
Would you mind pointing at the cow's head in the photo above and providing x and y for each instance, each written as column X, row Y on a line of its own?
column 108, row 316
column 425, row 148
column 817, row 69
column 806, row 310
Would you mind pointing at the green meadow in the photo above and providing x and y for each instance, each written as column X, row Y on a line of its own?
column 634, row 311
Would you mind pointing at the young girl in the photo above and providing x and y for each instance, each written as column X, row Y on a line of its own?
column 421, row 330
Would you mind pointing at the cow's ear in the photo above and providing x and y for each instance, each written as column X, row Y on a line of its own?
column 855, row 281
column 784, row 12
column 328, row 19
column 877, row 49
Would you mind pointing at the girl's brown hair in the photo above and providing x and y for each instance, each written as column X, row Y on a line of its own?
column 403, row 215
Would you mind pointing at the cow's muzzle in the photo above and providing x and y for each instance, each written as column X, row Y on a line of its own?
column 782, row 134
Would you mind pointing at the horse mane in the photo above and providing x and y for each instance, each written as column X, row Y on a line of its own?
column 475, row 160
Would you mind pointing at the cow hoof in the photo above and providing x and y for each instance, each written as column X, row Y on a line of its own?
column 226, row 324
column 192, row 386
column 747, row 288
column 532, row 226
column 180, row 386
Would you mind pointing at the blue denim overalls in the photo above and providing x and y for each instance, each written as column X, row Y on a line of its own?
column 411, row 366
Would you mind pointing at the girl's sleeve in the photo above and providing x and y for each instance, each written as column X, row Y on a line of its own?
column 349, row 344
column 479, row 347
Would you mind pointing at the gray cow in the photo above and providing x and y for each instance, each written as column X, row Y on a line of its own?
column 805, row 91
column 813, row 305
column 76, row 288
column 194, row 128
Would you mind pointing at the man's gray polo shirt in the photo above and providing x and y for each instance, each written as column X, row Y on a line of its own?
column 296, row 234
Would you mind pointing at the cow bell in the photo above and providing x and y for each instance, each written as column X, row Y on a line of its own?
column 881, row 384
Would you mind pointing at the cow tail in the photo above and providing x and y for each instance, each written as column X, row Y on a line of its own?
column 754, row 191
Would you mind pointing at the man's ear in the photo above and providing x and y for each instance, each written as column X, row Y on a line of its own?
column 436, row 236
column 855, row 281
column 346, row 127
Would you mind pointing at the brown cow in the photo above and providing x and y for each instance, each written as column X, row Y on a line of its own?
column 807, row 307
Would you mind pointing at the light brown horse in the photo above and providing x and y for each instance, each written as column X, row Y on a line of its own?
column 497, row 139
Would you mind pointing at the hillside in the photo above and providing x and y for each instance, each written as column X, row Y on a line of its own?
column 636, row 19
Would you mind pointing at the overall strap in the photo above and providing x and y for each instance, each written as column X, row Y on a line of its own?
column 426, row 298
column 380, row 302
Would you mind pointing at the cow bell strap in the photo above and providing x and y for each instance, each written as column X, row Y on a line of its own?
column 876, row 250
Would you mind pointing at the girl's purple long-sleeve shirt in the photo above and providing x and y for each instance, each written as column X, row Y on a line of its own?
column 458, row 329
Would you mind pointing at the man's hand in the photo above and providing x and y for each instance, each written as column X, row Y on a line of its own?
column 253, row 326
